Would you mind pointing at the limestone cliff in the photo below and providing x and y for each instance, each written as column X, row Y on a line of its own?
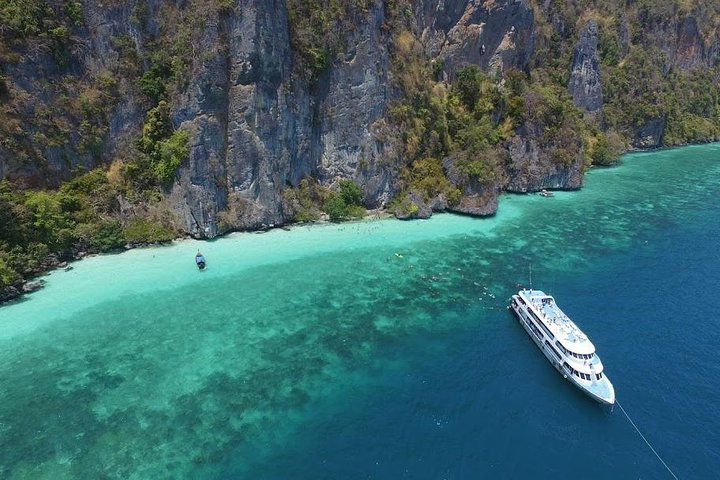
column 72, row 95
column 585, row 85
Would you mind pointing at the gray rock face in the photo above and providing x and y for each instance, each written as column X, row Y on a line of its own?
column 9, row 293
column 351, row 104
column 650, row 135
column 424, row 209
column 690, row 50
column 585, row 85
column 683, row 45
column 242, row 114
column 623, row 32
column 532, row 169
column 479, row 198
column 257, row 127
column 494, row 35
column 29, row 287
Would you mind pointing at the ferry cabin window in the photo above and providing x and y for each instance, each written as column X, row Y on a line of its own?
column 557, row 354
column 553, row 350
column 581, row 356
column 535, row 331
column 542, row 325
column 584, row 376
column 575, row 372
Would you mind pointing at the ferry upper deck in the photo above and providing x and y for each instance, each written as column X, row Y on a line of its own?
column 562, row 328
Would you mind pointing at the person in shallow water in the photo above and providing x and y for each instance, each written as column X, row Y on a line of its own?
column 200, row 260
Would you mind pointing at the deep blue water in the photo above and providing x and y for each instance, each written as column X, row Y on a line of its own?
column 482, row 402
column 384, row 349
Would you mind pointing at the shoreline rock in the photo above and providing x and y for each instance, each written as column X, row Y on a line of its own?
column 482, row 203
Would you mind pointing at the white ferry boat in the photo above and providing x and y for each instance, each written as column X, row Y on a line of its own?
column 563, row 343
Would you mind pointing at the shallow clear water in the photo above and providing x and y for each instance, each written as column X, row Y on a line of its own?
column 383, row 349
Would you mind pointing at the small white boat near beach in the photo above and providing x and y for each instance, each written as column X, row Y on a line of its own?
column 566, row 347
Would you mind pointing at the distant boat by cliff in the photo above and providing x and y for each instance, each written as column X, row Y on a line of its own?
column 200, row 260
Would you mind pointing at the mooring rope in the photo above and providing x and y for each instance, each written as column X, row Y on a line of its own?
column 645, row 439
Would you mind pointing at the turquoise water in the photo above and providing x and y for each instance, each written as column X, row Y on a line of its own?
column 383, row 349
